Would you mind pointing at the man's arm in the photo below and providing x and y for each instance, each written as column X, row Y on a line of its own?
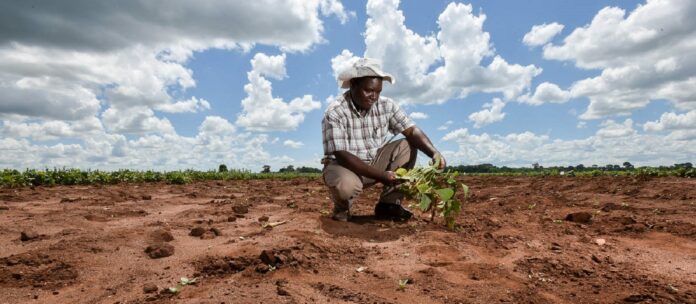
column 355, row 164
column 417, row 138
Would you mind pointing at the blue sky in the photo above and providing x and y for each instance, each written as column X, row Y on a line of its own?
column 199, row 84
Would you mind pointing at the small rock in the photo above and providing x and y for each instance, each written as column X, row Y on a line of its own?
column 262, row 268
column 197, row 231
column 150, row 288
column 162, row 235
column 216, row 231
column 208, row 235
column 231, row 218
column 28, row 235
column 579, row 217
column 263, row 219
column 267, row 257
column 596, row 259
column 160, row 250
column 240, row 209
column 282, row 291
column 55, row 292
column 600, row 242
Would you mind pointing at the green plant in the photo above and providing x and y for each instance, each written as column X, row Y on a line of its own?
column 402, row 284
column 434, row 190
column 184, row 281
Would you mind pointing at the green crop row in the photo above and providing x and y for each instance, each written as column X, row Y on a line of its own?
column 52, row 177
column 651, row 172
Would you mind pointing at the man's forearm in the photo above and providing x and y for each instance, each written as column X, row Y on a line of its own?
column 355, row 164
column 417, row 138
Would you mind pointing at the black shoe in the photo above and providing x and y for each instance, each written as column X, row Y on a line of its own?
column 392, row 212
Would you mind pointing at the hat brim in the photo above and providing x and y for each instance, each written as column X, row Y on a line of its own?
column 345, row 81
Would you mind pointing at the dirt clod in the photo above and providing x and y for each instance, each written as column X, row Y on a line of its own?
column 160, row 250
column 239, row 209
column 579, row 217
column 150, row 288
column 267, row 257
column 263, row 218
column 197, row 231
column 28, row 235
column 161, row 235
column 216, row 231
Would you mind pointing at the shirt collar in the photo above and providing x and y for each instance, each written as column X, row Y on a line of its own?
column 352, row 106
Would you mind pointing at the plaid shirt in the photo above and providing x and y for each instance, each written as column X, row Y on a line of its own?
column 344, row 129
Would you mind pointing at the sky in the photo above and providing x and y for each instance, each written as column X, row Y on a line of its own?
column 174, row 84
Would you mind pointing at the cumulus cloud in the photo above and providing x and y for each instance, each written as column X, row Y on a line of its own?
column 191, row 105
column 546, row 93
column 542, row 34
column 418, row 115
column 435, row 68
column 445, row 126
column 605, row 147
column 679, row 126
column 63, row 64
column 293, row 144
column 643, row 56
column 261, row 111
column 491, row 113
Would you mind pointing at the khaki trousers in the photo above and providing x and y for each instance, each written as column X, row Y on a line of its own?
column 344, row 185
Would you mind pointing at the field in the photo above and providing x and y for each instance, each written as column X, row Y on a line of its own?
column 519, row 239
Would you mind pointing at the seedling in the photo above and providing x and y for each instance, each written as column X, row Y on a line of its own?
column 434, row 190
column 402, row 284
column 183, row 282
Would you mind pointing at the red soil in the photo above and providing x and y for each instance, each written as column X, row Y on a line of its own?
column 86, row 244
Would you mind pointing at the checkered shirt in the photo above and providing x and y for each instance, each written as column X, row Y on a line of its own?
column 344, row 129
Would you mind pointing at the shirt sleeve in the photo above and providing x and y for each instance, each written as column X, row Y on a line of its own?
column 399, row 121
column 334, row 134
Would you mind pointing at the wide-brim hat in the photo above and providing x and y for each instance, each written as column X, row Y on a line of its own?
column 363, row 67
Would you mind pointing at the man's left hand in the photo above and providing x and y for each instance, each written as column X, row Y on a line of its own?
column 439, row 156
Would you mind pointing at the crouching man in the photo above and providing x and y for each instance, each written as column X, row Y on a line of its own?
column 357, row 150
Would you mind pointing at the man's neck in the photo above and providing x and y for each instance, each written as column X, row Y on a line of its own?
column 355, row 104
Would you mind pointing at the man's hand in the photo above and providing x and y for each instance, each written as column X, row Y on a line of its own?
column 443, row 162
column 389, row 178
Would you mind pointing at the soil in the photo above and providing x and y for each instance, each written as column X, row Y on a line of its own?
column 518, row 240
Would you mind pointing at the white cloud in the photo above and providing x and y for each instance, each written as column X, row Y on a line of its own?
column 293, row 144
column 542, row 34
column 418, row 115
column 605, row 147
column 191, row 105
column 645, row 55
column 120, row 61
column 611, row 129
column 135, row 120
column 673, row 121
column 546, row 93
column 261, row 111
column 445, row 126
column 491, row 113
column 52, row 130
column 436, row 68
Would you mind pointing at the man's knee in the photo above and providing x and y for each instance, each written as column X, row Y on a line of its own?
column 346, row 188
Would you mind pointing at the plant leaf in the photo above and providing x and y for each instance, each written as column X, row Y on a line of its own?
column 425, row 203
column 444, row 193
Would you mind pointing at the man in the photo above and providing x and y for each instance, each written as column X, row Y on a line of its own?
column 357, row 153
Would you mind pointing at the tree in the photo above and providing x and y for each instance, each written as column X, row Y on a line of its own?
column 289, row 168
column 628, row 166
column 266, row 169
column 222, row 168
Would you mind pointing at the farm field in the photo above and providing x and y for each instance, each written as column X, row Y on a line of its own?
column 519, row 240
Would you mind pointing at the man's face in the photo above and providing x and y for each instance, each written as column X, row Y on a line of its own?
column 366, row 92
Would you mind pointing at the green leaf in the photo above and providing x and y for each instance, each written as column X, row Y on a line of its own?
column 425, row 203
column 401, row 172
column 465, row 188
column 445, row 193
column 423, row 188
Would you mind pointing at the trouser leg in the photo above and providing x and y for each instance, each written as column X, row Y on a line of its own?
column 394, row 155
column 343, row 185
